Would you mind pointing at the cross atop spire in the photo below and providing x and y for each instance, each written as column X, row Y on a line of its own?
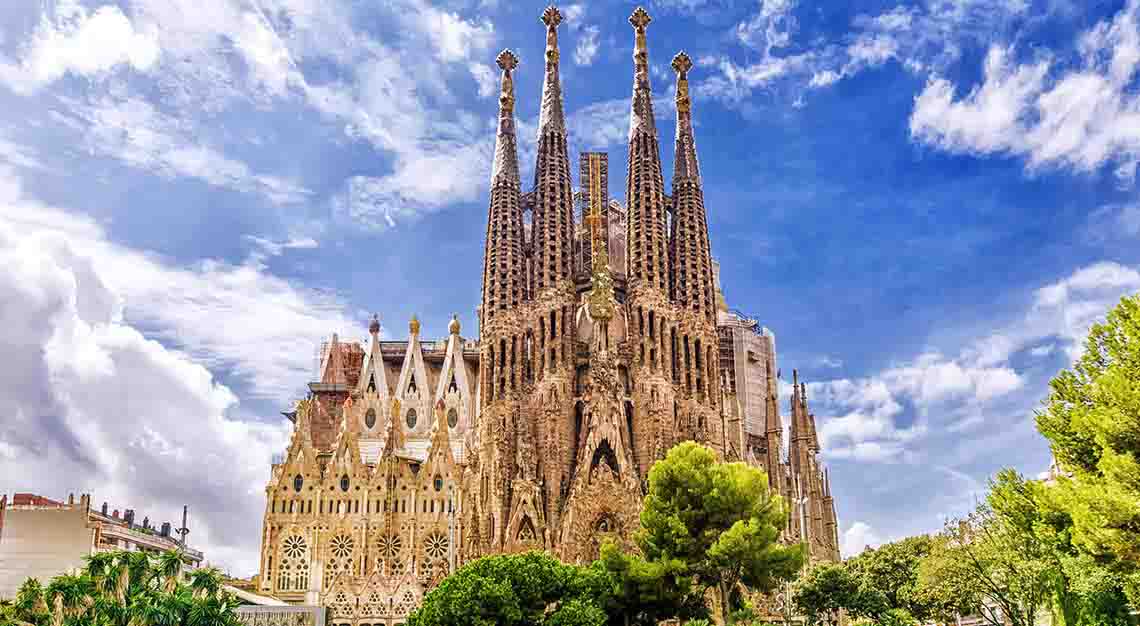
column 507, row 60
column 640, row 18
column 552, row 17
column 682, row 64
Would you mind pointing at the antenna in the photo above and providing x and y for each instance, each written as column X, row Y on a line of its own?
column 182, row 532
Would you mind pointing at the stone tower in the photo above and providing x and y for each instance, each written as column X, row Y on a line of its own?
column 603, row 341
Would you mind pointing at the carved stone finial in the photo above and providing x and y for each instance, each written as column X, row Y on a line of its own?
column 552, row 17
column 414, row 325
column 374, row 325
column 640, row 18
column 507, row 60
column 682, row 63
column 453, row 327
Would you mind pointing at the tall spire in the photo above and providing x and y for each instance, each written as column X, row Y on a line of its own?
column 689, row 254
column 554, row 202
column 645, row 190
column 550, row 116
column 685, row 163
column 504, row 283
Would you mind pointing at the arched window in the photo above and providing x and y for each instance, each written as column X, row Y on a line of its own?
column 344, row 482
column 438, row 483
column 298, row 482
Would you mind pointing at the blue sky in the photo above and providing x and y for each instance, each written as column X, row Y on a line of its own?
column 928, row 202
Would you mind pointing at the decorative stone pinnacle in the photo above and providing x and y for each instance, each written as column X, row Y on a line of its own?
column 682, row 63
column 374, row 325
column 552, row 17
column 507, row 60
column 414, row 325
column 453, row 327
column 640, row 18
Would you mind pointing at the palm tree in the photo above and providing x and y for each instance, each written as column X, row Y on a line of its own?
column 125, row 589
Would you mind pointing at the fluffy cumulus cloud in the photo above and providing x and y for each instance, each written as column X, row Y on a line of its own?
column 1082, row 115
column 81, row 42
column 96, row 405
column 210, row 56
column 858, row 537
column 892, row 415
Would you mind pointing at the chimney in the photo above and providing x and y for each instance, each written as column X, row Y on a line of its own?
column 165, row 529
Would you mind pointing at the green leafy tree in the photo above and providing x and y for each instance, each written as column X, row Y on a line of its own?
column 720, row 520
column 646, row 592
column 1092, row 420
column 986, row 567
column 826, row 589
column 125, row 589
column 517, row 589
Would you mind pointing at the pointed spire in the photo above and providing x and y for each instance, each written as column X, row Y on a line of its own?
column 693, row 286
column 551, row 116
column 506, row 165
column 647, row 247
column 685, row 163
column 504, row 267
column 553, row 223
column 641, row 115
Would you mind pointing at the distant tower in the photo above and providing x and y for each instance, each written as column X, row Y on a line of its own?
column 184, row 529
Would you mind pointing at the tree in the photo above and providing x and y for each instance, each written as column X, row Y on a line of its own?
column 824, row 589
column 125, row 589
column 647, row 592
column 720, row 520
column 987, row 567
column 1092, row 421
column 516, row 589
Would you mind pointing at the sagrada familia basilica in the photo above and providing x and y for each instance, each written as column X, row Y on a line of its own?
column 603, row 341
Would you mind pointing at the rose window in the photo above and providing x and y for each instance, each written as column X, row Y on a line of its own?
column 294, row 547
column 389, row 546
column 341, row 546
column 435, row 546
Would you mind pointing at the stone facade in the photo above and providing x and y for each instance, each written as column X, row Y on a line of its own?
column 603, row 342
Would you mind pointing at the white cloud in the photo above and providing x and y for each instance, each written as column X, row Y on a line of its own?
column 889, row 416
column 222, row 315
column 94, row 406
column 485, row 78
column 1081, row 117
column 86, row 44
column 141, row 136
column 858, row 537
column 454, row 38
column 587, row 49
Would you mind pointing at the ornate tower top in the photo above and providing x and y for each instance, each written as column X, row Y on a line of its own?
column 552, row 17
column 374, row 325
column 551, row 116
column 453, row 327
column 414, row 325
column 506, row 165
column 685, row 159
column 641, row 117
